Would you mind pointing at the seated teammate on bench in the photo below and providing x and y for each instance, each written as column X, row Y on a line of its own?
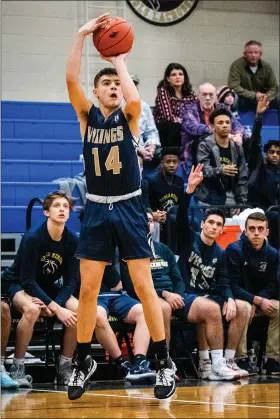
column 33, row 283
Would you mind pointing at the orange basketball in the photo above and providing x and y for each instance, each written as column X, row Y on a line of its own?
column 115, row 39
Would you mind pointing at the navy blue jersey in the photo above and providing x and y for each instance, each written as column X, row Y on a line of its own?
column 111, row 164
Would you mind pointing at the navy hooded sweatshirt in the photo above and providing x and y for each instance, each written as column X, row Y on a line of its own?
column 253, row 272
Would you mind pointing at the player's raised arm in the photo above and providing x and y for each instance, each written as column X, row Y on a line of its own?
column 77, row 97
column 132, row 108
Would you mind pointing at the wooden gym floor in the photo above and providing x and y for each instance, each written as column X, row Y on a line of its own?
column 253, row 398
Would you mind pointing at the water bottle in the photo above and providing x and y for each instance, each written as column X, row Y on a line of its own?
column 253, row 360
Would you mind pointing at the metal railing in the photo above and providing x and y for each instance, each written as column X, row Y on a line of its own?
column 29, row 211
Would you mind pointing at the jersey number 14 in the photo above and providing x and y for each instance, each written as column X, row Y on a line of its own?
column 112, row 162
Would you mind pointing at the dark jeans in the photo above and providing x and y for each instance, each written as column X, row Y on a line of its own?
column 170, row 134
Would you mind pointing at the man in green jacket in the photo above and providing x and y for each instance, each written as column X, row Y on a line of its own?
column 251, row 78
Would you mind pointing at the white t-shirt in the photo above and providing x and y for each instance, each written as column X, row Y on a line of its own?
column 254, row 69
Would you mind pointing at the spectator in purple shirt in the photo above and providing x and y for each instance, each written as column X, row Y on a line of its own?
column 196, row 125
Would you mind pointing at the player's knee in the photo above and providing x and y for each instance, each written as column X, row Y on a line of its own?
column 243, row 308
column 32, row 312
column 213, row 312
column 138, row 313
column 89, row 290
column 5, row 312
column 101, row 320
column 276, row 311
column 166, row 311
column 142, row 290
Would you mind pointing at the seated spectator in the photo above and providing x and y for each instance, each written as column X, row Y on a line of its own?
column 253, row 268
column 251, row 77
column 46, row 253
column 167, row 279
column 264, row 175
column 196, row 125
column 173, row 92
column 165, row 187
column 224, row 167
column 116, row 302
column 149, row 143
column 6, row 321
column 208, row 293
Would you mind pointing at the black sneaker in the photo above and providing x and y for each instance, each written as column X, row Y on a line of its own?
column 81, row 374
column 165, row 380
column 245, row 364
column 272, row 366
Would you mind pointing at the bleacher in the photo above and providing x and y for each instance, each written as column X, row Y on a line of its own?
column 41, row 143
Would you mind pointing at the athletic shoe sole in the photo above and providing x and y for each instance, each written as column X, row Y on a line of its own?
column 166, row 396
column 213, row 377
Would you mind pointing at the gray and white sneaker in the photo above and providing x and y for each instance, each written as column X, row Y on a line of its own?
column 17, row 373
column 64, row 373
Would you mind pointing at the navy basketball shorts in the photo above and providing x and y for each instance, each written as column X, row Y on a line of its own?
column 117, row 305
column 13, row 288
column 189, row 299
column 123, row 224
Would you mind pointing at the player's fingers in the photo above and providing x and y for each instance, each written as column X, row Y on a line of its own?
column 198, row 168
column 103, row 17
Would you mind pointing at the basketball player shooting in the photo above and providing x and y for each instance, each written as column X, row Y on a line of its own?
column 114, row 213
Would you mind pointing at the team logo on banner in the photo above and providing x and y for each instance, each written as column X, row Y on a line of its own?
column 162, row 12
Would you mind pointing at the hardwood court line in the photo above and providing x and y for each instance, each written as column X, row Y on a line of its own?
column 153, row 398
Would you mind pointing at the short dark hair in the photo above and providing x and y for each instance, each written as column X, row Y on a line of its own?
column 271, row 143
column 214, row 211
column 252, row 42
column 108, row 71
column 174, row 151
column 257, row 216
column 48, row 200
column 218, row 112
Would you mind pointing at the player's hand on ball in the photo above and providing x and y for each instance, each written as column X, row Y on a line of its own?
column 94, row 24
column 113, row 59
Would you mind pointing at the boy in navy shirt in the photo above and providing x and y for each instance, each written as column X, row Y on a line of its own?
column 165, row 188
column 46, row 253
column 254, row 272
column 208, row 294
column 114, row 215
